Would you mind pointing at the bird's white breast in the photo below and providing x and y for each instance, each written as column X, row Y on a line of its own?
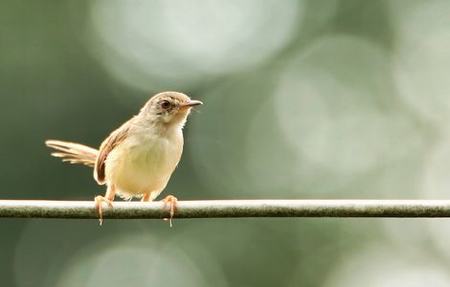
column 143, row 163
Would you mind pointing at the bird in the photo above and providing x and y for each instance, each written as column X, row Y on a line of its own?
column 137, row 159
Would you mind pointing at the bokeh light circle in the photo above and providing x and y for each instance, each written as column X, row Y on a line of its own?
column 337, row 107
column 378, row 266
column 422, row 57
column 121, row 254
column 131, row 260
column 162, row 44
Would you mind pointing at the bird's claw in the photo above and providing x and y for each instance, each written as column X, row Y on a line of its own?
column 98, row 206
column 171, row 202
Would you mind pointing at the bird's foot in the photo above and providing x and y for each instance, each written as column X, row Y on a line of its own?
column 98, row 206
column 171, row 202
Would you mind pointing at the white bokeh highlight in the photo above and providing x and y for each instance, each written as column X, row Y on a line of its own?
column 336, row 107
column 131, row 260
column 380, row 266
column 422, row 57
column 155, row 44
column 123, row 255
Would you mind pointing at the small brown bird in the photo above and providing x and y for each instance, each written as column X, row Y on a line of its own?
column 138, row 158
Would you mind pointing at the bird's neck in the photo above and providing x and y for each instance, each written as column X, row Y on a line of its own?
column 158, row 127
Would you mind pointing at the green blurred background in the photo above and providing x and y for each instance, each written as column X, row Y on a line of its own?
column 303, row 99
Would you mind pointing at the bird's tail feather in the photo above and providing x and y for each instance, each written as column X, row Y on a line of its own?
column 73, row 153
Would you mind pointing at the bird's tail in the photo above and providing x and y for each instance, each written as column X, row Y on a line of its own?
column 73, row 153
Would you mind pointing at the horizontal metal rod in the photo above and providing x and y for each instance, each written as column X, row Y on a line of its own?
column 228, row 208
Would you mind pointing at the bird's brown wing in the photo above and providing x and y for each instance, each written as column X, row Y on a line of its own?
column 114, row 139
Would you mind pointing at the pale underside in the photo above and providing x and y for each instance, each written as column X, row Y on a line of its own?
column 143, row 163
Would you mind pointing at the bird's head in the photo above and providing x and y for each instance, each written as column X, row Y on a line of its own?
column 169, row 108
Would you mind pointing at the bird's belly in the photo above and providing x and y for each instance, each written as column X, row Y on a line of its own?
column 139, row 169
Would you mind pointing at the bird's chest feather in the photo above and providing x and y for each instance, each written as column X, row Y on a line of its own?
column 144, row 162
column 153, row 155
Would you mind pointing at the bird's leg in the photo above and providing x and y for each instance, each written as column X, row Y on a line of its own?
column 170, row 201
column 108, row 198
column 146, row 197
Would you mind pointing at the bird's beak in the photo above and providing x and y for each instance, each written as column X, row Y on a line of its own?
column 191, row 103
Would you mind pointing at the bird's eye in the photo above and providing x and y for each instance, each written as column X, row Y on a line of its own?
column 165, row 105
